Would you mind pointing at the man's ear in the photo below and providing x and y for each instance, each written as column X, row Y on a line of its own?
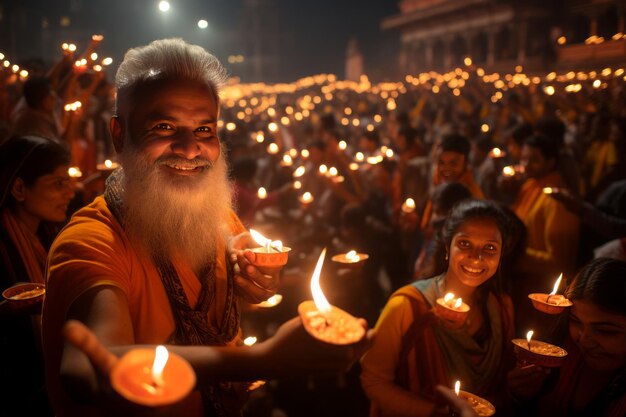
column 117, row 129
column 18, row 190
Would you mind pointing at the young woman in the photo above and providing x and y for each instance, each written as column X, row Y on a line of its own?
column 414, row 350
column 35, row 191
column 592, row 380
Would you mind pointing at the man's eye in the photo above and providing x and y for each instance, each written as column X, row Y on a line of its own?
column 163, row 126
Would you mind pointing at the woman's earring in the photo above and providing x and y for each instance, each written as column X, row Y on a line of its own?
column 446, row 256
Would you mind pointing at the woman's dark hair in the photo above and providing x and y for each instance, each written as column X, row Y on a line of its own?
column 446, row 195
column 28, row 158
column 454, row 142
column 36, row 89
column 548, row 146
column 602, row 282
column 463, row 211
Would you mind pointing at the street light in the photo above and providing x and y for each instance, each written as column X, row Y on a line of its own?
column 164, row 6
column 203, row 24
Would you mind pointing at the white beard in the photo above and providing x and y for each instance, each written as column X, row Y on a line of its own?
column 186, row 216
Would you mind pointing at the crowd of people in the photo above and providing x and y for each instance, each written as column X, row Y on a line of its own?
column 483, row 184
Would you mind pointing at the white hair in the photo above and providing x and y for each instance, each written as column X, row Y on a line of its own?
column 168, row 58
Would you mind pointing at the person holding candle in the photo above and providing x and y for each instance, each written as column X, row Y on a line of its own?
column 552, row 231
column 415, row 350
column 151, row 260
column 35, row 192
column 592, row 379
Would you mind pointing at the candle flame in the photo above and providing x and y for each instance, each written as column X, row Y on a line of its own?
column 352, row 256
column 108, row 163
column 249, row 341
column 321, row 303
column 287, row 160
column 556, row 285
column 449, row 296
column 496, row 152
column 323, row 169
column 307, row 197
column 529, row 335
column 160, row 359
column 457, row 387
column 262, row 193
column 410, row 203
column 354, row 166
column 547, row 190
column 343, row 145
column 359, row 156
column 509, row 171
column 299, row 172
column 332, row 171
column 459, row 303
column 389, row 153
column 297, row 185
column 258, row 237
column 74, row 172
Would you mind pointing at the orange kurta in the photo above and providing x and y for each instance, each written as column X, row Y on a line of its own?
column 93, row 250
column 552, row 230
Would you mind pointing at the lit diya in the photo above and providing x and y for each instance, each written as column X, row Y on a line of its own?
column 24, row 294
column 552, row 303
column 306, row 198
column 539, row 353
column 480, row 406
column 107, row 165
column 496, row 153
column 153, row 377
column 262, row 193
column 351, row 257
column 273, row 301
column 325, row 322
column 408, row 206
column 512, row 170
column 271, row 253
column 452, row 309
column 550, row 190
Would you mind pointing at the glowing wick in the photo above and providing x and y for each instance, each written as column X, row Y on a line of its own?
column 160, row 359
column 529, row 336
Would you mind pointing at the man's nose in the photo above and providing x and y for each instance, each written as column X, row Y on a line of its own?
column 186, row 145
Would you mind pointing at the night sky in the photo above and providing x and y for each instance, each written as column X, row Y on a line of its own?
column 313, row 35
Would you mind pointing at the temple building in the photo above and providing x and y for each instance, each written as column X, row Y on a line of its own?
column 500, row 34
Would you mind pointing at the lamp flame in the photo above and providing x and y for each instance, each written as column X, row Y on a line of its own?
column 556, row 285
column 449, row 296
column 529, row 336
column 299, row 172
column 459, row 303
column 262, row 193
column 457, row 387
column 410, row 203
column 508, row 171
column 249, row 341
column 352, row 256
column 321, row 303
column 108, row 163
column 160, row 359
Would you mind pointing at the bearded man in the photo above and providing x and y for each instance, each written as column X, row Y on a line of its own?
column 147, row 262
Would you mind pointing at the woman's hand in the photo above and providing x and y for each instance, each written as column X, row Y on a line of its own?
column 526, row 382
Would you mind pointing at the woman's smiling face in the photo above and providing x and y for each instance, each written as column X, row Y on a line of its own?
column 474, row 253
